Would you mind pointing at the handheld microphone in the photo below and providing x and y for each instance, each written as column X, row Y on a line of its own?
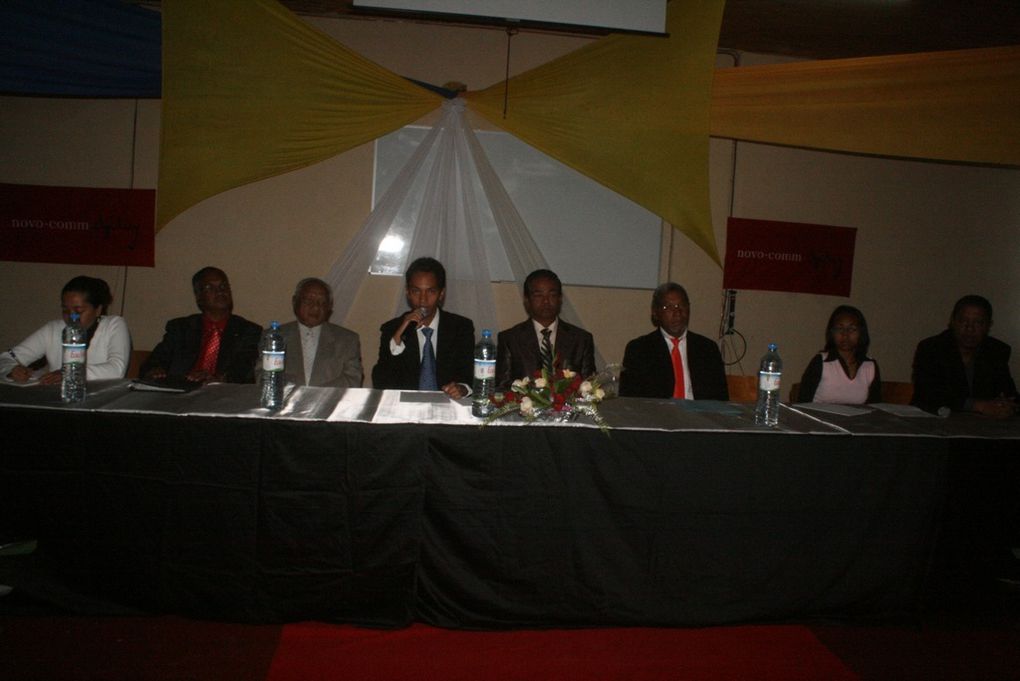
column 422, row 311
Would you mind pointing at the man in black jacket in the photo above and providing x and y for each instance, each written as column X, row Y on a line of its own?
column 543, row 339
column 963, row 368
column 405, row 343
column 215, row 345
column 673, row 361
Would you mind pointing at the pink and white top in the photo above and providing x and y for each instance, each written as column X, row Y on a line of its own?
column 837, row 388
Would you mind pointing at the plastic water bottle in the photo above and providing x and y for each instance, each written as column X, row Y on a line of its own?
column 274, row 358
column 72, row 369
column 485, row 376
column 770, row 374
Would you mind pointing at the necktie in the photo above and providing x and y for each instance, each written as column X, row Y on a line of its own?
column 547, row 354
column 678, row 369
column 427, row 377
column 211, row 351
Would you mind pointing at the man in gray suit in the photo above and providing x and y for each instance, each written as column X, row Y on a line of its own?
column 320, row 353
column 543, row 339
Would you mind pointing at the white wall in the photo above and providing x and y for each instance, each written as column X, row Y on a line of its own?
column 927, row 233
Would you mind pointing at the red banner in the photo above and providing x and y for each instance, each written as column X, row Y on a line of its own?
column 77, row 225
column 765, row 255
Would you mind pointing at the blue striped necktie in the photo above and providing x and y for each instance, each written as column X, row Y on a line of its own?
column 427, row 377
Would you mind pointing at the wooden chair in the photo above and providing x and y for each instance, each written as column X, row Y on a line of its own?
column 742, row 388
column 897, row 392
column 138, row 358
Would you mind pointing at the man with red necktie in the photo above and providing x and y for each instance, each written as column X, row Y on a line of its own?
column 215, row 345
column 673, row 361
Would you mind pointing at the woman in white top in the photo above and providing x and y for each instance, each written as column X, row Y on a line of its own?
column 108, row 341
column 843, row 373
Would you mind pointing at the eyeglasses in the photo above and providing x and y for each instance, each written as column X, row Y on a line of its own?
column 844, row 329
column 676, row 307
column 221, row 288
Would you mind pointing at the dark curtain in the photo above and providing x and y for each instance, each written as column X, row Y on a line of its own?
column 79, row 48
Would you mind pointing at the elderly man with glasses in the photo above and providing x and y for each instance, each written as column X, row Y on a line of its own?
column 673, row 361
column 320, row 353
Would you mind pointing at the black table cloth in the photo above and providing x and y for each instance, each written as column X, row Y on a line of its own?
column 261, row 518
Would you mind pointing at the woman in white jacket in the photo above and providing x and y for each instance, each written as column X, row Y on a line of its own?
column 108, row 340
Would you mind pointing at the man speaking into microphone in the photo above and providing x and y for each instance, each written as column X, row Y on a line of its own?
column 427, row 348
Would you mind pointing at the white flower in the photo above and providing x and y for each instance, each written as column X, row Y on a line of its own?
column 567, row 373
column 521, row 382
column 585, row 388
column 527, row 406
column 540, row 382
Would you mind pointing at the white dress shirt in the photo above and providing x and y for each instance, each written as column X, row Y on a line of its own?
column 309, row 346
column 552, row 336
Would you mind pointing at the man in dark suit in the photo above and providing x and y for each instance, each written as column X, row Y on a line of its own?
column 427, row 348
column 319, row 353
column 543, row 339
column 963, row 368
column 213, row 346
column 673, row 361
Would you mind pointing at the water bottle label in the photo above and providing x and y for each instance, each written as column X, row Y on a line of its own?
column 768, row 381
column 485, row 369
column 272, row 361
column 74, row 354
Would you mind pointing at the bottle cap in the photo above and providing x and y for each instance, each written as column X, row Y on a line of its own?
column 274, row 325
column 486, row 333
column 773, row 346
column 75, row 316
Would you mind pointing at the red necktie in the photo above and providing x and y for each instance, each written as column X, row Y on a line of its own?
column 211, row 351
column 678, row 369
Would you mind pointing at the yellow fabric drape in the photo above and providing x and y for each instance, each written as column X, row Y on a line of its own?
column 250, row 91
column 956, row 106
column 631, row 112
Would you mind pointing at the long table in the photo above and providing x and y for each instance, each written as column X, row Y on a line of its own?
column 383, row 508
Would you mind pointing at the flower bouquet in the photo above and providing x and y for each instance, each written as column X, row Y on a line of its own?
column 559, row 396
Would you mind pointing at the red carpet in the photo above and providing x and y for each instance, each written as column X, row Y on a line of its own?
column 74, row 648
column 313, row 652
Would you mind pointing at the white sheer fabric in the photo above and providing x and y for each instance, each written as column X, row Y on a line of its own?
column 459, row 186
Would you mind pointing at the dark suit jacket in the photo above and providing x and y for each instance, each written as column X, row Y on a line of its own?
column 337, row 362
column 518, row 354
column 648, row 369
column 182, row 342
column 940, row 379
column 455, row 354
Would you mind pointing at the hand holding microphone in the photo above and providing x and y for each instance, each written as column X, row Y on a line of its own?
column 412, row 318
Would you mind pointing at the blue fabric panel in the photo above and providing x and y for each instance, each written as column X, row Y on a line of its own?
column 79, row 48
